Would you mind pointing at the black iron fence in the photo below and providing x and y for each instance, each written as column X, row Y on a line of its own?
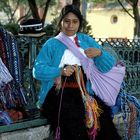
column 29, row 46
column 126, row 49
column 129, row 51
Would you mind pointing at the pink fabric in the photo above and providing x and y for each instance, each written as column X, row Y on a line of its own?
column 105, row 85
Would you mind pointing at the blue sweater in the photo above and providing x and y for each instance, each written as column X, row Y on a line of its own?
column 46, row 67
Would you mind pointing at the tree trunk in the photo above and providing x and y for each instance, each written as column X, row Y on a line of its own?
column 84, row 8
column 77, row 3
column 45, row 11
column 137, row 19
column 34, row 9
column 134, row 4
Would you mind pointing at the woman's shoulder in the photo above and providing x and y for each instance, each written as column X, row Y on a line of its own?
column 52, row 40
column 53, row 44
column 84, row 36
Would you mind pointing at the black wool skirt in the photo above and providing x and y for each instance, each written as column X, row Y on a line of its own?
column 72, row 113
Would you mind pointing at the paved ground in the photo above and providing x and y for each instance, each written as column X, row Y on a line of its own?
column 37, row 133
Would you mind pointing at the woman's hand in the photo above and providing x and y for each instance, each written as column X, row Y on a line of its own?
column 68, row 70
column 92, row 52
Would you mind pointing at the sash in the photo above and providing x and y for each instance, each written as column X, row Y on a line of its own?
column 105, row 85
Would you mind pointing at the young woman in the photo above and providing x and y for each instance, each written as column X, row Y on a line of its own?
column 65, row 83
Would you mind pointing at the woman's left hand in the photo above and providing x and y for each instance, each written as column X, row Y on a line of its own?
column 92, row 52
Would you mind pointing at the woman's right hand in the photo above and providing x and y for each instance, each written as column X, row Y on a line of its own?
column 68, row 70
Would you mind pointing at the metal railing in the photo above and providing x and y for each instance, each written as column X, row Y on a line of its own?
column 127, row 50
column 29, row 46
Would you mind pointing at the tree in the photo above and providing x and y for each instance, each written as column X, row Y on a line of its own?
column 34, row 9
column 77, row 3
column 134, row 4
column 10, row 8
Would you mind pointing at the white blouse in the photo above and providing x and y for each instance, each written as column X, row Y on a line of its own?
column 69, row 58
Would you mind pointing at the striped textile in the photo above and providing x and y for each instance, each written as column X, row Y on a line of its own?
column 12, row 95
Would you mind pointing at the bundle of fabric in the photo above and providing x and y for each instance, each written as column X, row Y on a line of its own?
column 12, row 94
column 129, row 109
column 5, row 118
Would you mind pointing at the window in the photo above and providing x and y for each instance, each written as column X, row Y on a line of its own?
column 114, row 19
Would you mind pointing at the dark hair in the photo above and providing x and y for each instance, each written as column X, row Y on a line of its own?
column 73, row 9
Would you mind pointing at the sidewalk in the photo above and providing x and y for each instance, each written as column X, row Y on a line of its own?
column 37, row 133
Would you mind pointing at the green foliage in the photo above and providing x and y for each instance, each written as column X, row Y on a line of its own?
column 101, row 1
column 12, row 27
column 50, row 29
column 9, row 8
column 41, row 3
column 86, row 28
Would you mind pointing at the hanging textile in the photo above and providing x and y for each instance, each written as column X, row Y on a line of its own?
column 12, row 93
column 5, row 76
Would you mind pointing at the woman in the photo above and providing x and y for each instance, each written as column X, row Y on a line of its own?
column 63, row 81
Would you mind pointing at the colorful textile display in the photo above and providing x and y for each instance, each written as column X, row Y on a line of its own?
column 12, row 94
column 130, row 113
column 4, row 118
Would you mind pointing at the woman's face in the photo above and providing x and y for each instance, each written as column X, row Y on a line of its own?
column 70, row 24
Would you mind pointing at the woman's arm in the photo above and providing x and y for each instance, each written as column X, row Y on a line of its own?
column 43, row 68
column 103, row 60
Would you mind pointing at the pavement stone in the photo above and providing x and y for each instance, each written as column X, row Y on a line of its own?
column 36, row 133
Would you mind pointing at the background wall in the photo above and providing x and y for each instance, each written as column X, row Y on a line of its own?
column 112, row 23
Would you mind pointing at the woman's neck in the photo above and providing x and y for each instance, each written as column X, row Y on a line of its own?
column 72, row 37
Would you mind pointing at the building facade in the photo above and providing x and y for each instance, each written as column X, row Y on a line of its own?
column 111, row 22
